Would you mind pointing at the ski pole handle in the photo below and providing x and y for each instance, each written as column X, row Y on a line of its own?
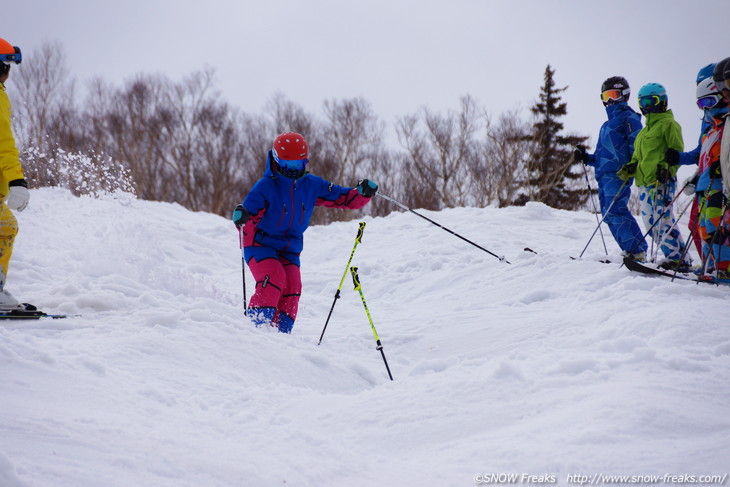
column 360, row 231
column 355, row 278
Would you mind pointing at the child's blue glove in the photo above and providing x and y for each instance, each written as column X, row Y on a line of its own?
column 240, row 216
column 367, row 188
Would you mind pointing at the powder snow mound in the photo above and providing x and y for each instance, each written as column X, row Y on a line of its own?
column 548, row 365
column 8, row 475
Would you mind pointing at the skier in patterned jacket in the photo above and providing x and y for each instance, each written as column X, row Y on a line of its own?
column 614, row 149
column 713, row 225
column 273, row 218
column 673, row 158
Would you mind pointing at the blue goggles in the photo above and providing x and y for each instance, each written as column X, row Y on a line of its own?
column 649, row 101
column 709, row 101
column 15, row 57
column 290, row 165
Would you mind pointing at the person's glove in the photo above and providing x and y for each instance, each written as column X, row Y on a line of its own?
column 627, row 171
column 580, row 154
column 671, row 157
column 367, row 188
column 663, row 174
column 18, row 194
column 240, row 216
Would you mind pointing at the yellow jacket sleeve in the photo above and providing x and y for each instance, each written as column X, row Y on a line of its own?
column 10, row 167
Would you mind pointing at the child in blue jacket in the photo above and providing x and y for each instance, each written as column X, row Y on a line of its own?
column 614, row 149
column 274, row 216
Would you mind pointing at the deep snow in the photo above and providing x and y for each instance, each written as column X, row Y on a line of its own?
column 545, row 366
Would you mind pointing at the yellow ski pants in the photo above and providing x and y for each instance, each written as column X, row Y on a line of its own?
column 8, row 231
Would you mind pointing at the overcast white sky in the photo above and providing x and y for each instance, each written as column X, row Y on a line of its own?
column 398, row 54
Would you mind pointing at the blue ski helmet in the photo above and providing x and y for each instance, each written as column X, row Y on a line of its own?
column 652, row 98
column 705, row 72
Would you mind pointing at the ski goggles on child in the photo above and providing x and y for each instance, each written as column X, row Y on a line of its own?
column 649, row 101
column 615, row 95
column 709, row 101
column 292, row 165
column 15, row 57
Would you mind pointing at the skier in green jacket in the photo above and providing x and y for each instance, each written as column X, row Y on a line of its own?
column 655, row 178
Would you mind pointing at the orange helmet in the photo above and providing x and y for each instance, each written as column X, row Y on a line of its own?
column 9, row 53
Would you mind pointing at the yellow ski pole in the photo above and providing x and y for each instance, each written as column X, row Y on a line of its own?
column 358, row 288
column 358, row 239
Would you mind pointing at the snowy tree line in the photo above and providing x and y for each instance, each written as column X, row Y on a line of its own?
column 179, row 141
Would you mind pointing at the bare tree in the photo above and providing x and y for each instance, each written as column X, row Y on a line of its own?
column 44, row 91
column 43, row 110
column 135, row 122
column 178, row 141
column 352, row 142
column 440, row 149
column 501, row 165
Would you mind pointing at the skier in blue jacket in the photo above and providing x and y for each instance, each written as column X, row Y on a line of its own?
column 273, row 218
column 614, row 148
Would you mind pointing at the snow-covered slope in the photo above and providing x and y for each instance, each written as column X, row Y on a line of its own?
column 545, row 366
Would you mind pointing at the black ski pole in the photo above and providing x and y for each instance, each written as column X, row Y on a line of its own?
column 663, row 236
column 243, row 270
column 689, row 241
column 358, row 240
column 358, row 288
column 656, row 236
column 595, row 207
column 608, row 210
column 501, row 258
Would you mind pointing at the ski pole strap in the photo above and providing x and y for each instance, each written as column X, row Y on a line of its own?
column 240, row 238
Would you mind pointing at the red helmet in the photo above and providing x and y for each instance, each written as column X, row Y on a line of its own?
column 291, row 146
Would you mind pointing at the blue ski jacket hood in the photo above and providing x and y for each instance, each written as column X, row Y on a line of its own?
column 615, row 144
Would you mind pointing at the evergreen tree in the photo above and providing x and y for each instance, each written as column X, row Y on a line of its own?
column 551, row 176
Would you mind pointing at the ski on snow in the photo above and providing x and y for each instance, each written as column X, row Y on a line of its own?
column 602, row 261
column 29, row 312
column 635, row 266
